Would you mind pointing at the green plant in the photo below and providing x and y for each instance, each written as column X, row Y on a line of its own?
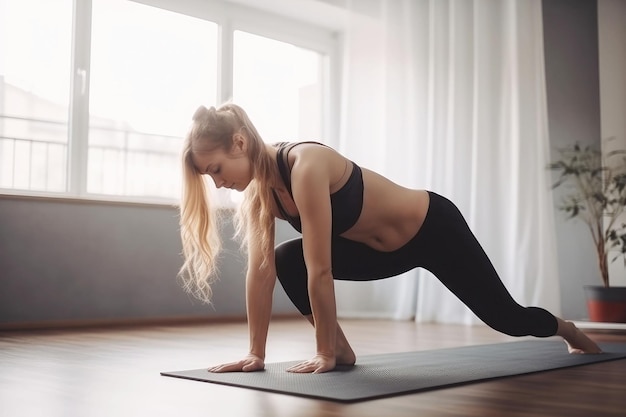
column 596, row 194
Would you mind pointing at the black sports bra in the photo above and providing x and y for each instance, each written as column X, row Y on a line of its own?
column 346, row 203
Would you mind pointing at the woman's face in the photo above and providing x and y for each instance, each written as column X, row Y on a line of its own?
column 229, row 169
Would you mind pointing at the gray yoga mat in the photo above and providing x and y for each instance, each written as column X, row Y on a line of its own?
column 385, row 375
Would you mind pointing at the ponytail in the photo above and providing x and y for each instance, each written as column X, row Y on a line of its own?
column 199, row 220
column 199, row 232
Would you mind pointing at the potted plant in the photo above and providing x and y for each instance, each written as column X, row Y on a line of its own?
column 595, row 192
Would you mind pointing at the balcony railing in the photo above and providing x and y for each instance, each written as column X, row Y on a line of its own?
column 121, row 161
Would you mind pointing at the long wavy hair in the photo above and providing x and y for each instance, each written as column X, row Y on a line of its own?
column 213, row 129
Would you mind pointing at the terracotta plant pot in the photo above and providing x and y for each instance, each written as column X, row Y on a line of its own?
column 606, row 305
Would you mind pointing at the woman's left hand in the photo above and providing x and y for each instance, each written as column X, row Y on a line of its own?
column 317, row 365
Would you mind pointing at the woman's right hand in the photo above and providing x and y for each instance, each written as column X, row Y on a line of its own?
column 250, row 363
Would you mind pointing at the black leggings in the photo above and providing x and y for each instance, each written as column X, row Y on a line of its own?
column 444, row 246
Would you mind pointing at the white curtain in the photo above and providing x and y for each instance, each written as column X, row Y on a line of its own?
column 449, row 95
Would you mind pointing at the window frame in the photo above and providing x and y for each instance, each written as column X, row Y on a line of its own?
column 229, row 17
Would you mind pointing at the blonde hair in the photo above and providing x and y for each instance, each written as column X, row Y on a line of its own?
column 199, row 220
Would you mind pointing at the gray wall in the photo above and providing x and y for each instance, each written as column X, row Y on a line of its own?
column 66, row 260
column 572, row 78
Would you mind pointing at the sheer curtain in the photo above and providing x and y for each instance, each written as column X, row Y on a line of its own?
column 449, row 95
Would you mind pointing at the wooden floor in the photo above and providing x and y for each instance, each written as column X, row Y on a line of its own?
column 115, row 372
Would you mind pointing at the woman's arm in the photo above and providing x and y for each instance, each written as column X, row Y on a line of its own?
column 310, row 185
column 260, row 281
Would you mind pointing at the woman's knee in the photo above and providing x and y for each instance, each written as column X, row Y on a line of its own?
column 291, row 272
column 522, row 321
column 289, row 258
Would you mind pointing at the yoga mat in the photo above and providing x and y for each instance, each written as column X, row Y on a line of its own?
column 377, row 376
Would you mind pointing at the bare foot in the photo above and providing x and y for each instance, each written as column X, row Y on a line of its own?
column 345, row 355
column 577, row 342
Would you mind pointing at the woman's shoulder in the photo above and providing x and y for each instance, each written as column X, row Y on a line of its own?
column 308, row 147
column 312, row 153
column 299, row 144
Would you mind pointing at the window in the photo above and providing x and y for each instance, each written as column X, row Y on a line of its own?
column 35, row 49
column 280, row 86
column 96, row 95
column 150, row 69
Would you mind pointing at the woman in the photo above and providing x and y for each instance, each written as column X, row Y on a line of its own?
column 355, row 224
